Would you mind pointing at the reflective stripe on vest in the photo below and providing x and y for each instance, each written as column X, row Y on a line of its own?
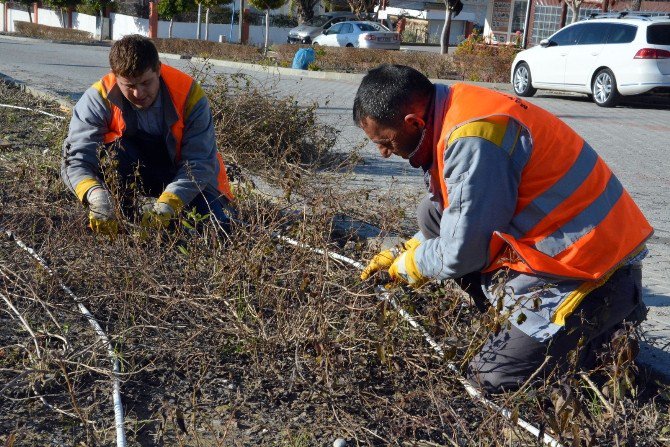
column 179, row 85
column 573, row 217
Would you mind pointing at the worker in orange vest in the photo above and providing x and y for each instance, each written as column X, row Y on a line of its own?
column 521, row 212
column 154, row 123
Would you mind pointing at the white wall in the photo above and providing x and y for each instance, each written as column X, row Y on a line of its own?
column 85, row 22
column 14, row 15
column 123, row 25
column 50, row 18
column 2, row 17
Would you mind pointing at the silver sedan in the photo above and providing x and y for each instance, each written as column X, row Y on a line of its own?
column 359, row 35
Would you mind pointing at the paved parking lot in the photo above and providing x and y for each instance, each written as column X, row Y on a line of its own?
column 633, row 139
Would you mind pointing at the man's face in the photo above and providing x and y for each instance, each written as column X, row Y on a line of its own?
column 401, row 140
column 142, row 90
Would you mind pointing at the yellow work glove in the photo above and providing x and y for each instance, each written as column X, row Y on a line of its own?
column 159, row 214
column 384, row 259
column 404, row 270
column 101, row 211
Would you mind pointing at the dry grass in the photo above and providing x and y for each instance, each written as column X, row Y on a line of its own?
column 472, row 60
column 247, row 341
column 53, row 33
column 478, row 62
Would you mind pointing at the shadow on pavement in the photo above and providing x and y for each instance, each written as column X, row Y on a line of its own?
column 658, row 102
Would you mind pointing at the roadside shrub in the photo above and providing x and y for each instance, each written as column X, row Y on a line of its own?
column 51, row 32
column 479, row 62
column 358, row 60
column 215, row 50
column 263, row 133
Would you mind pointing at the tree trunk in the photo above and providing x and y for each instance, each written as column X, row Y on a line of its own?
column 199, row 20
column 240, row 21
column 564, row 14
column 30, row 16
column 62, row 17
column 207, row 24
column 575, row 12
column 170, row 29
column 444, row 38
column 267, row 28
column 635, row 5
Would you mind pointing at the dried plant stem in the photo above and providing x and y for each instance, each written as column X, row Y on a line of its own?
column 597, row 392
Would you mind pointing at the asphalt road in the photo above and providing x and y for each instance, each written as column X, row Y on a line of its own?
column 633, row 139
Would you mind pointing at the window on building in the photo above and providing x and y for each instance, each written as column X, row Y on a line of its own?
column 519, row 15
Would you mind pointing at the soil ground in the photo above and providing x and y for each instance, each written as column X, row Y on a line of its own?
column 246, row 342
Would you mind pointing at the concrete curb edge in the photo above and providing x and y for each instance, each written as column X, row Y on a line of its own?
column 64, row 103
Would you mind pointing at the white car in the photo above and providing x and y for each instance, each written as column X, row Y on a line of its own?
column 605, row 58
column 360, row 35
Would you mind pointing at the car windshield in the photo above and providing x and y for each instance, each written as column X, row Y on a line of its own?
column 318, row 21
column 659, row 34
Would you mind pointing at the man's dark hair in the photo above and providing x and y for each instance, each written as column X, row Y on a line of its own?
column 132, row 56
column 388, row 92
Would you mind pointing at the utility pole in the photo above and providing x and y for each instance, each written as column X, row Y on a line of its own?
column 240, row 21
column 199, row 20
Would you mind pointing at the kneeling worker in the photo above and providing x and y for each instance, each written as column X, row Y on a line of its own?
column 154, row 123
column 521, row 212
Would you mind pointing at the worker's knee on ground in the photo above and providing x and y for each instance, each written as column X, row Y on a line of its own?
column 492, row 381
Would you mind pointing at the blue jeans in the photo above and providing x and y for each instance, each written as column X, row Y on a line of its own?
column 143, row 159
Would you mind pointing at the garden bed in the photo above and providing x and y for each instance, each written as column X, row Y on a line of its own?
column 246, row 341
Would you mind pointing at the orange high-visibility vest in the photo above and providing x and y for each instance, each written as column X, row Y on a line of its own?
column 179, row 86
column 592, row 225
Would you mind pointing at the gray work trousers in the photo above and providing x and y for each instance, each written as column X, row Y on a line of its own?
column 509, row 357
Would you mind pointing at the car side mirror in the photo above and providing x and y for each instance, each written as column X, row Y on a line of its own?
column 544, row 43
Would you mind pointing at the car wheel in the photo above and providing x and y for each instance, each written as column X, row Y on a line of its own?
column 605, row 93
column 350, row 45
column 522, row 82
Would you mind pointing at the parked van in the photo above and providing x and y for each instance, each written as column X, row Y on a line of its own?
column 306, row 32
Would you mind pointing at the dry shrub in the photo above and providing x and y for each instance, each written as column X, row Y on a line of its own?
column 479, row 62
column 215, row 50
column 360, row 60
column 52, row 32
column 263, row 133
column 240, row 341
column 350, row 60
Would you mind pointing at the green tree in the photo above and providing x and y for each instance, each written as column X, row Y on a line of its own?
column 267, row 5
column 305, row 9
column 62, row 6
column 168, row 9
column 362, row 7
column 209, row 5
column 29, row 5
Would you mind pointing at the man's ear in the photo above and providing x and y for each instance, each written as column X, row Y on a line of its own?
column 415, row 121
column 158, row 70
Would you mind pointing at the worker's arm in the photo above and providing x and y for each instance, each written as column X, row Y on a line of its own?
column 198, row 166
column 482, row 182
column 80, row 168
